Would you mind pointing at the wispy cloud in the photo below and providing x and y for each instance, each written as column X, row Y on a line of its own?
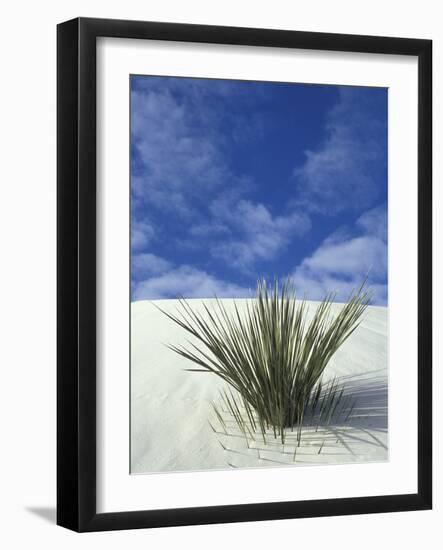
column 375, row 222
column 177, row 160
column 342, row 261
column 142, row 234
column 256, row 235
column 342, row 173
column 186, row 281
column 146, row 264
column 180, row 129
column 182, row 132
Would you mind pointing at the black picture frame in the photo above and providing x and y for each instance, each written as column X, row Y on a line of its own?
column 76, row 279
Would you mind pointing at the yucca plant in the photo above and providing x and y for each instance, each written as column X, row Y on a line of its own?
column 271, row 354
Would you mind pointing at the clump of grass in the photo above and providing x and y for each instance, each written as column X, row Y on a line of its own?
column 325, row 406
column 272, row 355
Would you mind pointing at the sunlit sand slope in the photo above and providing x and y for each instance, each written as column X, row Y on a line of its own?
column 170, row 407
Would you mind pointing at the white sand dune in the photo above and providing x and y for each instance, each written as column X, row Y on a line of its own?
column 170, row 407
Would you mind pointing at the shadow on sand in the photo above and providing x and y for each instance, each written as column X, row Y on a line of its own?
column 349, row 437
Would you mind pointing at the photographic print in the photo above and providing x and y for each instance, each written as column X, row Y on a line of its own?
column 259, row 287
column 235, row 300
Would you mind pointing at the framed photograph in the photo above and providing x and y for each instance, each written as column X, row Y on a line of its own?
column 244, row 274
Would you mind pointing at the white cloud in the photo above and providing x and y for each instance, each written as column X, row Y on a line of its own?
column 179, row 146
column 142, row 234
column 374, row 222
column 186, row 281
column 173, row 154
column 340, row 264
column 146, row 264
column 209, row 229
column 342, row 173
column 259, row 236
column 182, row 131
column 316, row 289
column 354, row 257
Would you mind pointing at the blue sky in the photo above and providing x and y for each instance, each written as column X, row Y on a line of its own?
column 233, row 180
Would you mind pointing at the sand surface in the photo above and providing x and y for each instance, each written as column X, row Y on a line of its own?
column 170, row 407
